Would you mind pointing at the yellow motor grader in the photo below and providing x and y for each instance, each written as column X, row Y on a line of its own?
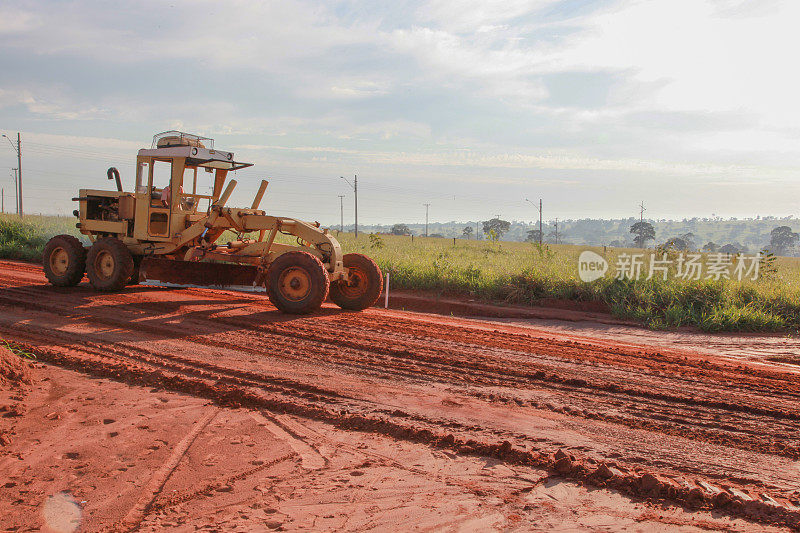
column 163, row 232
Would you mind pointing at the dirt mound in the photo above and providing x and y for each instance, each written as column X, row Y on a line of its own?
column 13, row 369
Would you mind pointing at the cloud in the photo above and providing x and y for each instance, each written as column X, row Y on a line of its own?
column 501, row 71
column 359, row 88
column 15, row 21
column 49, row 102
column 237, row 33
column 701, row 59
column 693, row 88
column 477, row 15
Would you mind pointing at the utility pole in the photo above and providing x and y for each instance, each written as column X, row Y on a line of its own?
column 341, row 213
column 18, row 150
column 19, row 167
column 426, row 218
column 641, row 213
column 556, row 231
column 540, row 217
column 355, row 193
column 541, row 230
column 354, row 185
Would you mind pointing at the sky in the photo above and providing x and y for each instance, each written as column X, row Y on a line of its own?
column 472, row 106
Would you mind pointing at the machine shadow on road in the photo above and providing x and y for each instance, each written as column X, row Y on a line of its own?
column 165, row 312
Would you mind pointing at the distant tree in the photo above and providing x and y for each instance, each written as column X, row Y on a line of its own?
column 533, row 235
column 729, row 249
column 555, row 237
column 616, row 243
column 437, row 235
column 710, row 247
column 467, row 231
column 676, row 243
column 644, row 232
column 689, row 239
column 400, row 229
column 498, row 225
column 783, row 239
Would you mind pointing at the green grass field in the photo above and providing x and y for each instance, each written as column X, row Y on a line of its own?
column 25, row 238
column 521, row 273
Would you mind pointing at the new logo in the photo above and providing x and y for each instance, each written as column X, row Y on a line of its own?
column 591, row 266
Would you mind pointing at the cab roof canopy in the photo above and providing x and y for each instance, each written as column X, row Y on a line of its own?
column 198, row 151
column 168, row 139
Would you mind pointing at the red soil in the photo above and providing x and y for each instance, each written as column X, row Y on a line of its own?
column 670, row 426
column 13, row 370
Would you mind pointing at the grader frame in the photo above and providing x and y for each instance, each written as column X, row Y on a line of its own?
column 165, row 235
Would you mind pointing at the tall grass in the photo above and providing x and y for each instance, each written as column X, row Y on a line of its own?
column 24, row 238
column 521, row 273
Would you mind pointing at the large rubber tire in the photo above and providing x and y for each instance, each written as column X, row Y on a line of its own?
column 297, row 283
column 109, row 265
column 64, row 261
column 364, row 286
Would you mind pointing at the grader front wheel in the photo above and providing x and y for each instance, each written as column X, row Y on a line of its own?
column 364, row 285
column 297, row 283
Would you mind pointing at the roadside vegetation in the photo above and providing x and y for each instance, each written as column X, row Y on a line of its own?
column 25, row 238
column 526, row 274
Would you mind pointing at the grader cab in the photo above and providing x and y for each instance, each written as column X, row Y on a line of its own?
column 169, row 227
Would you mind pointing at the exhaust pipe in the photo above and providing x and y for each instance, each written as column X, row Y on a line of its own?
column 113, row 174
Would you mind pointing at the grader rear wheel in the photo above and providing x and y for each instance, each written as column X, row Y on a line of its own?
column 64, row 261
column 364, row 285
column 297, row 283
column 109, row 265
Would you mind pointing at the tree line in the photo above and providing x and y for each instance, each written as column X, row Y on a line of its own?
column 779, row 235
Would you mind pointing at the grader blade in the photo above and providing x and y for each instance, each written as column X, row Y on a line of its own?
column 197, row 273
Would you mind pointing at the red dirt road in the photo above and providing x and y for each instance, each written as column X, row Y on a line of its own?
column 659, row 424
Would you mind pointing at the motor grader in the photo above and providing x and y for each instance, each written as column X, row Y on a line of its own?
column 160, row 231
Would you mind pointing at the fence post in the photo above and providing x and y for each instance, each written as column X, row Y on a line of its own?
column 386, row 300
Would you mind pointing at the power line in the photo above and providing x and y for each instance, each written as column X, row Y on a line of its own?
column 354, row 185
column 97, row 156
column 398, row 192
column 16, row 190
column 18, row 150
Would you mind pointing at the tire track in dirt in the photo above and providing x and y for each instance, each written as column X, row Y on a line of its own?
column 647, row 411
column 204, row 343
column 700, row 495
column 673, row 422
column 149, row 493
column 714, row 438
